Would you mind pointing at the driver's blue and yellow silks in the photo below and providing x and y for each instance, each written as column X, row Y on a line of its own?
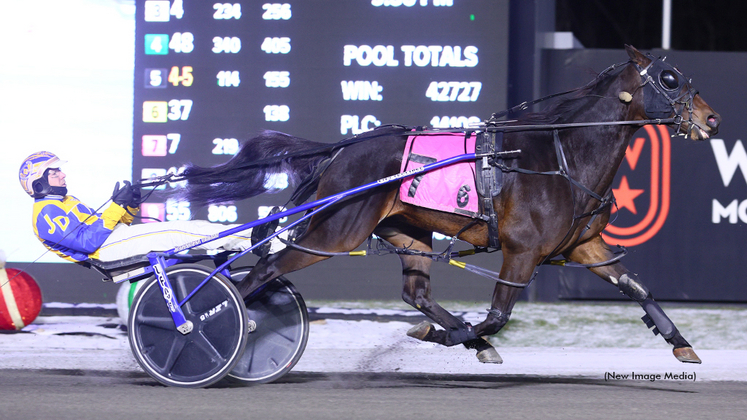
column 55, row 217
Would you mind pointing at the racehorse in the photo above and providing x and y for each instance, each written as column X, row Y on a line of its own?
column 539, row 216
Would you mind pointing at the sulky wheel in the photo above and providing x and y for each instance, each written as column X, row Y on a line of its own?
column 203, row 356
column 282, row 329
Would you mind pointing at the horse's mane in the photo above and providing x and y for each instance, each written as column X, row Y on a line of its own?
column 565, row 107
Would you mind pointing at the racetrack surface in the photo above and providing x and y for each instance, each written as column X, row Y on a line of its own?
column 590, row 341
column 596, row 361
column 91, row 394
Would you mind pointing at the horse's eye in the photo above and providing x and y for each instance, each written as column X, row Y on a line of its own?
column 669, row 80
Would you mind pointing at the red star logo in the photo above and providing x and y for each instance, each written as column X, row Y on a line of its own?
column 625, row 195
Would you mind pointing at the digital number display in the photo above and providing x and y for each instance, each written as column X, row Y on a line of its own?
column 211, row 75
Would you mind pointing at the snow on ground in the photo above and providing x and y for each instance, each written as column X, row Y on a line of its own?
column 549, row 340
column 614, row 325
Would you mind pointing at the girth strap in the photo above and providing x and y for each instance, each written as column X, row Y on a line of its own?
column 489, row 180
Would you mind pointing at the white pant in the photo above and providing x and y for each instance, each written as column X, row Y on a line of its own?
column 126, row 241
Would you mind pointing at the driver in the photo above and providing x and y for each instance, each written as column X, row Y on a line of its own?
column 76, row 233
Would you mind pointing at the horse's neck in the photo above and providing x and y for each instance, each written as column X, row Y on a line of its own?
column 595, row 158
column 595, row 153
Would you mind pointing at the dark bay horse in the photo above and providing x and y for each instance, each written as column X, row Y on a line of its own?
column 539, row 216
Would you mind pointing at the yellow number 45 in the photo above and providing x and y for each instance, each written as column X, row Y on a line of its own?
column 184, row 77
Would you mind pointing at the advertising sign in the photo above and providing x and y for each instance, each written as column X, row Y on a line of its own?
column 681, row 204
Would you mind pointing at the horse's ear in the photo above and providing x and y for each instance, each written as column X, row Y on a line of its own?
column 636, row 55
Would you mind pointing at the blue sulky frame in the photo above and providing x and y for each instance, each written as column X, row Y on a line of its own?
column 159, row 261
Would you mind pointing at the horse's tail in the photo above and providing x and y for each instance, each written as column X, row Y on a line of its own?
column 257, row 168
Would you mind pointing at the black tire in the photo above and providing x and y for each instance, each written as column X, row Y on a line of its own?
column 205, row 355
column 282, row 330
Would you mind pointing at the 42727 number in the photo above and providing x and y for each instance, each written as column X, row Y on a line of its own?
column 454, row 91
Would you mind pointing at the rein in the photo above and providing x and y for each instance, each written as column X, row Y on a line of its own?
column 493, row 124
column 358, row 138
column 526, row 104
column 488, row 126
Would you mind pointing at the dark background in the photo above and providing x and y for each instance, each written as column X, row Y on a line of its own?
column 691, row 259
column 696, row 25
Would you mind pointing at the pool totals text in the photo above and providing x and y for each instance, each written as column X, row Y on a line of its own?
column 210, row 75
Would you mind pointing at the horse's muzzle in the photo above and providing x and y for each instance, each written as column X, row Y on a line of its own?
column 704, row 121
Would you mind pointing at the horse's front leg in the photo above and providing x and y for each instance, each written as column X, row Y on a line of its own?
column 596, row 250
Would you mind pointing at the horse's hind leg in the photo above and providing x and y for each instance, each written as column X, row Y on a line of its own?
column 336, row 230
column 416, row 291
column 595, row 251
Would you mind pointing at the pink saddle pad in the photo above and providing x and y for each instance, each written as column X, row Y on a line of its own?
column 451, row 188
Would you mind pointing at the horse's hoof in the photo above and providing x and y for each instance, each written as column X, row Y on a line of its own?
column 489, row 355
column 686, row 355
column 420, row 331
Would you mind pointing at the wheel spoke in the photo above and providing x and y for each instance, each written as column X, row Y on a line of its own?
column 277, row 322
column 272, row 308
column 279, row 333
column 204, row 344
column 201, row 357
column 174, row 352
column 277, row 344
column 162, row 322
column 275, row 330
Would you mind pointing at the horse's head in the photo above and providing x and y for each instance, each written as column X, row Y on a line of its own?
column 667, row 93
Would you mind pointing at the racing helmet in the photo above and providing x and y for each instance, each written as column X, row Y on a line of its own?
column 32, row 171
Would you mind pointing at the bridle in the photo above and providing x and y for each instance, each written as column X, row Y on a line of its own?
column 665, row 91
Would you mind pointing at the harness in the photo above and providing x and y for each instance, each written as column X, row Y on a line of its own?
column 489, row 179
column 662, row 97
column 661, row 83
